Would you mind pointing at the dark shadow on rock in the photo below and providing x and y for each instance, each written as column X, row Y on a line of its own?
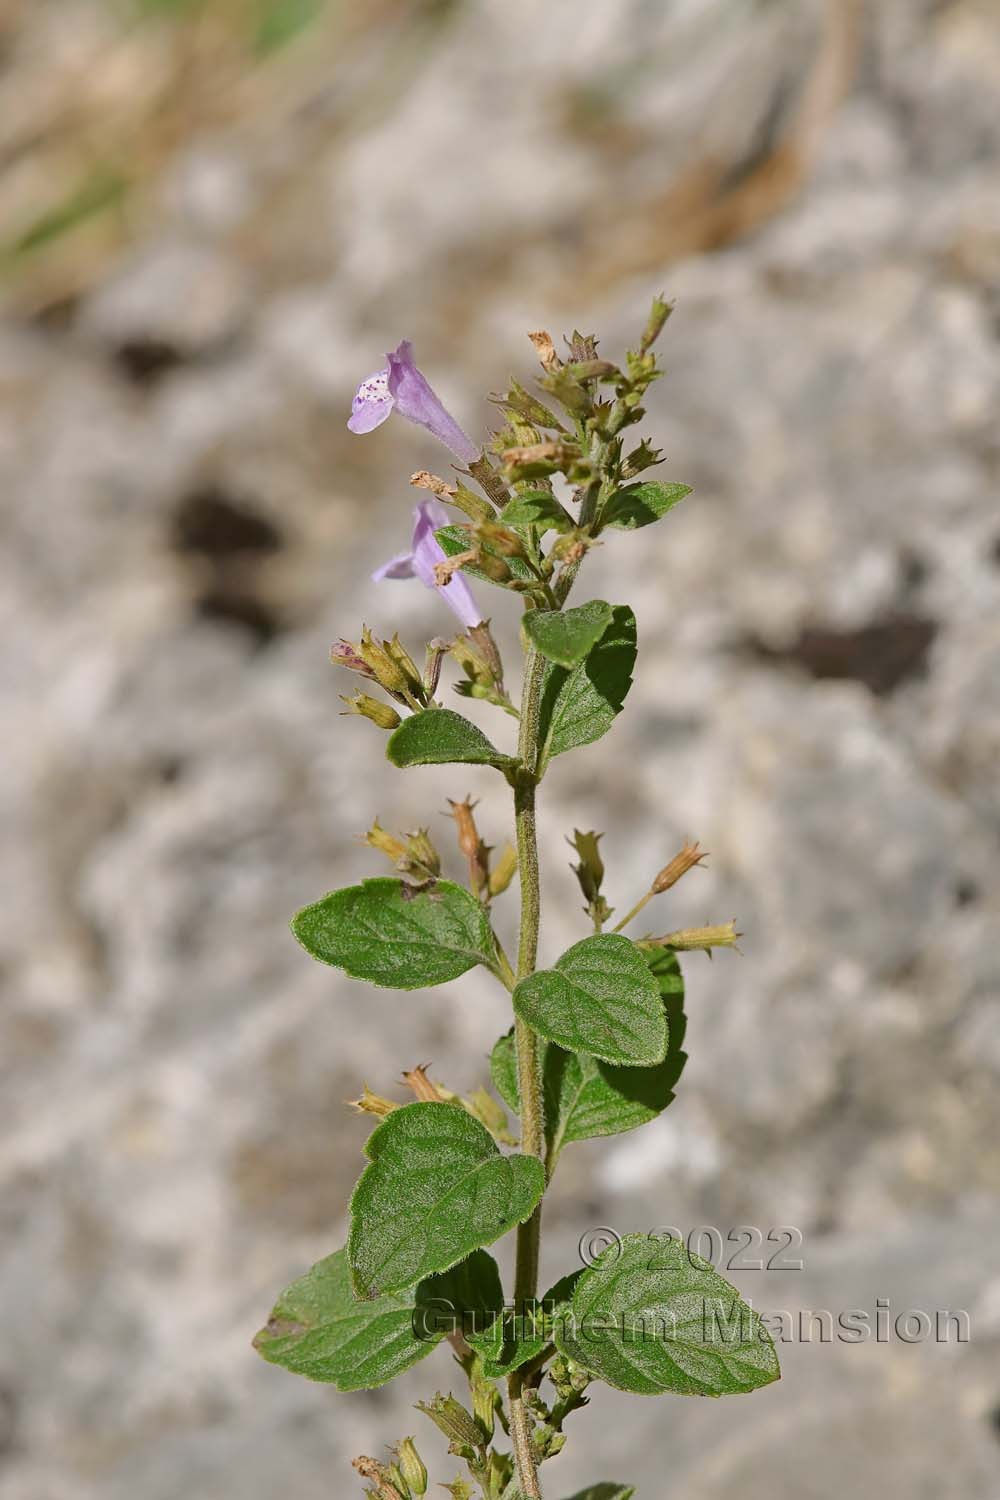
column 883, row 654
column 209, row 523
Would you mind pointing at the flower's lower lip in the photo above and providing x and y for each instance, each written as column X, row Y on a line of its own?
column 401, row 384
column 425, row 552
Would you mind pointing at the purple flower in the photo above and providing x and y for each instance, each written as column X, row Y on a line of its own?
column 402, row 386
column 425, row 551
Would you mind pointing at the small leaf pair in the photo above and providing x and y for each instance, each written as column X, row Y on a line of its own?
column 590, row 655
column 586, row 1097
column 648, row 1317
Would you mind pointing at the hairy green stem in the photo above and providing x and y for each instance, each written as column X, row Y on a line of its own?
column 529, row 1080
column 521, row 1437
column 524, row 808
column 528, row 1070
column 529, row 1076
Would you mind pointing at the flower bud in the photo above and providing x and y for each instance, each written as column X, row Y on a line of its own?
column 473, row 505
column 404, row 661
column 689, row 938
column 398, row 1483
column 477, row 853
column 489, row 481
column 683, row 861
column 484, row 1404
column 594, row 369
column 499, row 1472
column 437, row 650
column 503, row 871
column 473, row 663
column 381, row 714
column 482, row 639
column 476, row 690
column 420, row 858
column 659, row 313
column 563, row 385
column 346, row 654
column 459, row 1489
column 643, row 457
column 378, row 838
column 484, row 1108
column 412, row 1467
column 642, row 372
column 569, row 1378
column 515, row 433
column 581, row 346
column 535, row 460
column 570, row 546
column 386, row 671
column 372, row 1104
column 590, row 871
column 425, row 1090
column 523, row 404
column 458, row 1425
column 550, row 1442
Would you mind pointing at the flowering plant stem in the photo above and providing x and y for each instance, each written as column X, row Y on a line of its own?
column 595, row 1045
column 529, row 1073
column 526, row 1041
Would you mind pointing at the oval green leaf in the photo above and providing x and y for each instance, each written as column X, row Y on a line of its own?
column 640, row 504
column 579, row 704
column 649, row 1317
column 600, row 998
column 438, row 737
column 384, row 932
column 437, row 1189
column 319, row 1329
column 565, row 636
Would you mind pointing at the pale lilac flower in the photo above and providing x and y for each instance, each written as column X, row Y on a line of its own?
column 425, row 551
column 402, row 386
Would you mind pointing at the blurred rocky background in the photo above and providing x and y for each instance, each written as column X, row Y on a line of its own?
column 214, row 217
